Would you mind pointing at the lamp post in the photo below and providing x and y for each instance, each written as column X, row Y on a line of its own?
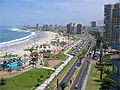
column 57, row 82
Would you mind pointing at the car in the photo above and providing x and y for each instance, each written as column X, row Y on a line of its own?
column 76, row 86
column 69, row 72
column 75, row 67
column 72, row 54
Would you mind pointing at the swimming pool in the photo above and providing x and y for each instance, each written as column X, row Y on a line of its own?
column 13, row 64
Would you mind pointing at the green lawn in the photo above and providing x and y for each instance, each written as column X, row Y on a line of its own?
column 94, row 78
column 61, row 56
column 29, row 49
column 53, row 84
column 26, row 80
column 9, row 56
column 94, row 75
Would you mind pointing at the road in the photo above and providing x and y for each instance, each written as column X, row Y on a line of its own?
column 72, row 70
column 77, row 84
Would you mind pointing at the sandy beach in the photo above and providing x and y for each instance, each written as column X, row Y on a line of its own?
column 18, row 49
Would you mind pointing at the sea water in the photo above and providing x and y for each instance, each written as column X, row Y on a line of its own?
column 12, row 35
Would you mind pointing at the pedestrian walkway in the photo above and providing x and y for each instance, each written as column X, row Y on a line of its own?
column 48, row 68
column 52, row 76
column 87, row 76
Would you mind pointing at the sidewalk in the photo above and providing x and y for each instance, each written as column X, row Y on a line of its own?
column 87, row 75
column 52, row 76
column 86, row 78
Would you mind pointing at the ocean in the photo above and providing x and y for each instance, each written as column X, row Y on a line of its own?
column 11, row 35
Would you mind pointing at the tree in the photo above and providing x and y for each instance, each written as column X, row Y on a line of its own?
column 101, row 69
column 34, row 54
column 106, row 59
column 105, row 47
column 83, row 51
column 41, row 76
column 2, row 81
column 98, row 42
column 107, row 71
column 107, row 82
column 80, row 57
column 94, row 48
column 25, row 55
column 58, row 40
column 19, row 64
column 68, row 37
column 31, row 49
column 63, row 85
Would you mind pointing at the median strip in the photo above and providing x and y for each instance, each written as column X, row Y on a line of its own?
column 76, row 72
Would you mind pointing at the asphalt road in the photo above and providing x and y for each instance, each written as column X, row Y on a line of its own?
column 83, row 71
column 71, row 71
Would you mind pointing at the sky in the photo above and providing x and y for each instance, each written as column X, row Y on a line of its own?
column 61, row 12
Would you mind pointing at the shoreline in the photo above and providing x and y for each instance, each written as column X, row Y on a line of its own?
column 18, row 49
column 9, row 43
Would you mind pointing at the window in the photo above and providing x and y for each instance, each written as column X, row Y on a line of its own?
column 115, row 69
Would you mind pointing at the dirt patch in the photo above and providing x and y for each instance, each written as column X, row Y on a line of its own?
column 52, row 63
column 93, row 62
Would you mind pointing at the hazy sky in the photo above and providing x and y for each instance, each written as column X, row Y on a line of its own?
column 20, row 12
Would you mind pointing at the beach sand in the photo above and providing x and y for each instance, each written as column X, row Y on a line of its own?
column 46, row 38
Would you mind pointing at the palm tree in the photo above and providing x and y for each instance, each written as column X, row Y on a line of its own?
column 94, row 51
column 42, row 76
column 31, row 49
column 83, row 51
column 101, row 69
column 80, row 57
column 105, row 47
column 63, row 85
column 68, row 37
column 34, row 56
column 25, row 55
column 19, row 64
column 98, row 42
column 44, row 46
column 2, row 81
column 107, row 82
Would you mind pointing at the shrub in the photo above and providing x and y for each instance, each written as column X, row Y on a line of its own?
column 2, row 81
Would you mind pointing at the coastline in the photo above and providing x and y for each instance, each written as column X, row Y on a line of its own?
column 18, row 49
column 8, row 43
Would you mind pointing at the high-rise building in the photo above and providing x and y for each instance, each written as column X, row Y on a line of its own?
column 68, row 28
column 115, row 75
column 71, row 28
column 79, row 27
column 37, row 26
column 45, row 27
column 93, row 24
column 108, row 22
column 116, row 26
column 51, row 27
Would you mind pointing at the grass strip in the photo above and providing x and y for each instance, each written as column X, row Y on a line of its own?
column 94, row 79
column 53, row 84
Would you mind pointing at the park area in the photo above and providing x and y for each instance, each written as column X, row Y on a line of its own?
column 94, row 82
column 26, row 80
